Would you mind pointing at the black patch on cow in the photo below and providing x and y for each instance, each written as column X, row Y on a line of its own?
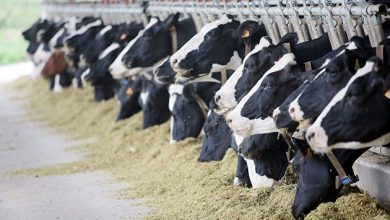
column 217, row 139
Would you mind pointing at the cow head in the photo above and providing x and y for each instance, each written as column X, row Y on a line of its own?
column 217, row 138
column 357, row 116
column 150, row 46
column 154, row 100
column 128, row 99
column 255, row 64
column 164, row 72
column 268, row 154
column 34, row 34
column 103, row 39
column 313, row 99
column 253, row 114
column 56, row 64
column 187, row 116
column 217, row 47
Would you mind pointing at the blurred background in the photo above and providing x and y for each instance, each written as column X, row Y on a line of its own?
column 15, row 16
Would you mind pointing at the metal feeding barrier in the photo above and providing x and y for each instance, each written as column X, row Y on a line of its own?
column 341, row 19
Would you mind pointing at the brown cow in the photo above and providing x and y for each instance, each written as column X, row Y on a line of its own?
column 55, row 65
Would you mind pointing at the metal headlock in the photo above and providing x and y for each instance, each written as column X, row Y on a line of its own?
column 341, row 19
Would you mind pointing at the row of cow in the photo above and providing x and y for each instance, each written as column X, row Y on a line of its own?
column 274, row 103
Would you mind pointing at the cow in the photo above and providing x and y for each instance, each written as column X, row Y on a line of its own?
column 104, row 85
column 158, row 40
column 188, row 107
column 164, row 73
column 316, row 179
column 253, row 114
column 128, row 98
column 357, row 116
column 34, row 33
column 268, row 152
column 307, row 106
column 220, row 45
column 154, row 100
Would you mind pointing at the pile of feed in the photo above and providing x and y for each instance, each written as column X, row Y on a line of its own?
column 178, row 186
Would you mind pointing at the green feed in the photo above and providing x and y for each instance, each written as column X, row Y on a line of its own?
column 176, row 185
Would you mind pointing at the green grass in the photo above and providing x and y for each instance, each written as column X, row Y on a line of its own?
column 15, row 16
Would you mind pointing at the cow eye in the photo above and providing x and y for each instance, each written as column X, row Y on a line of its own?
column 268, row 85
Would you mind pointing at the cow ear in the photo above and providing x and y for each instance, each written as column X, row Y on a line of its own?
column 288, row 38
column 171, row 21
column 247, row 28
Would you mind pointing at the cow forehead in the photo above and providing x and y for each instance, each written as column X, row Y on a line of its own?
column 341, row 94
column 231, row 82
column 105, row 30
column 285, row 60
column 85, row 28
column 108, row 50
column 152, row 22
column 196, row 41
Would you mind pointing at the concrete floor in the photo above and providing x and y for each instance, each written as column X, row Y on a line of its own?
column 25, row 144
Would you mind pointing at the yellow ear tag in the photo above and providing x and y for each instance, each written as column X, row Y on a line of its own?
column 129, row 91
column 387, row 94
column 244, row 34
column 123, row 37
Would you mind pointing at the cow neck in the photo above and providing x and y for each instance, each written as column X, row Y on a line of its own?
column 343, row 178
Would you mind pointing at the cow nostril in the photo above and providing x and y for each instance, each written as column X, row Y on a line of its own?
column 292, row 109
column 217, row 98
column 174, row 61
column 229, row 121
column 110, row 69
column 310, row 136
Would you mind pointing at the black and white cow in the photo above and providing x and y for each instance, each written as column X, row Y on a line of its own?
column 104, row 85
column 317, row 179
column 315, row 96
column 128, row 98
column 154, row 100
column 253, row 115
column 217, row 138
column 220, row 45
column 268, row 152
column 187, row 104
column 34, row 34
column 154, row 43
column 357, row 116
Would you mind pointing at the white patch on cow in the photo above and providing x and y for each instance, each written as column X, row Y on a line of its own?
column 53, row 40
column 227, row 100
column 174, row 90
column 256, row 180
column 196, row 41
column 297, row 113
column 244, row 126
column 144, row 97
column 320, row 139
column 57, row 86
column 71, row 25
column 171, row 140
column 105, row 30
column 108, row 50
column 85, row 28
column 234, row 63
column 41, row 55
column 85, row 73
column 117, row 68
column 39, row 35
column 351, row 46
